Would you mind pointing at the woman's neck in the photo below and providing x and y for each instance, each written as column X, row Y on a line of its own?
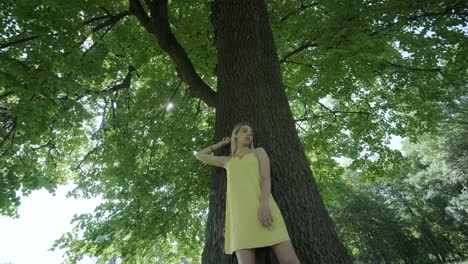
column 242, row 149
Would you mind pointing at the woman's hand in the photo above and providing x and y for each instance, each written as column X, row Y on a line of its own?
column 224, row 142
column 264, row 216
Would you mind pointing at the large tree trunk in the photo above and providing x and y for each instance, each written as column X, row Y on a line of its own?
column 250, row 89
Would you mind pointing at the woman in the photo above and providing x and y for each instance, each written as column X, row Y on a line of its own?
column 253, row 218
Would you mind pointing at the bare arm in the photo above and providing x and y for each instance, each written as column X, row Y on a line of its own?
column 265, row 176
column 264, row 213
column 206, row 155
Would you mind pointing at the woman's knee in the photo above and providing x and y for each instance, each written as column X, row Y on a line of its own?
column 246, row 256
column 290, row 260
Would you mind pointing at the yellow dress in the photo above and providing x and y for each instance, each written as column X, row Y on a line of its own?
column 242, row 228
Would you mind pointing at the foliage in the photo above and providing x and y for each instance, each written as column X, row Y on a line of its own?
column 417, row 216
column 85, row 98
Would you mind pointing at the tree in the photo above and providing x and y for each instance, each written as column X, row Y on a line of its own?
column 416, row 216
column 368, row 227
column 68, row 66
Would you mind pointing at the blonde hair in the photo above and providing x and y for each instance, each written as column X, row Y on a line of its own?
column 234, row 138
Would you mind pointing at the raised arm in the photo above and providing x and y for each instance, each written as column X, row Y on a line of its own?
column 206, row 155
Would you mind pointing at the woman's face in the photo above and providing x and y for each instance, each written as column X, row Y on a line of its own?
column 245, row 135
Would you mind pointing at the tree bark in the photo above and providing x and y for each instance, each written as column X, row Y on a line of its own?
column 250, row 89
column 158, row 25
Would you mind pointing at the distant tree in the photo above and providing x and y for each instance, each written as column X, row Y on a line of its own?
column 417, row 216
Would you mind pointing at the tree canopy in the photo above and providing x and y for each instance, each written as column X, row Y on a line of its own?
column 88, row 96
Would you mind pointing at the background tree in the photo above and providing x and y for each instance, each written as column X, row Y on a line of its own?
column 417, row 216
column 88, row 96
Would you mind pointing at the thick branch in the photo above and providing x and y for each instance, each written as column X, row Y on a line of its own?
column 158, row 25
column 137, row 10
column 6, row 45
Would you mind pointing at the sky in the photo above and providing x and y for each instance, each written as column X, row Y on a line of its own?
column 44, row 218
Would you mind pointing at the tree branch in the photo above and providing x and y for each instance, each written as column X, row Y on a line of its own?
column 174, row 92
column 301, row 64
column 444, row 13
column 301, row 8
column 94, row 19
column 124, row 84
column 112, row 20
column 353, row 112
column 6, row 94
column 10, row 133
column 78, row 165
column 335, row 112
column 158, row 25
column 447, row 12
column 410, row 68
column 332, row 112
column 6, row 45
column 297, row 50
column 455, row 121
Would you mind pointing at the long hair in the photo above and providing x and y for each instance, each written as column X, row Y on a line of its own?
column 234, row 139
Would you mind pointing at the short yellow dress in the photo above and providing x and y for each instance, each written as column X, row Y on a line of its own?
column 242, row 228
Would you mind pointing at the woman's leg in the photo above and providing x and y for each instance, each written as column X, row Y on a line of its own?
column 285, row 253
column 246, row 256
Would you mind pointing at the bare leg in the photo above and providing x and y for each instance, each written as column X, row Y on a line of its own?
column 246, row 256
column 285, row 253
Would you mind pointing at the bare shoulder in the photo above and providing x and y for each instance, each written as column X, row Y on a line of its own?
column 261, row 153
column 259, row 149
